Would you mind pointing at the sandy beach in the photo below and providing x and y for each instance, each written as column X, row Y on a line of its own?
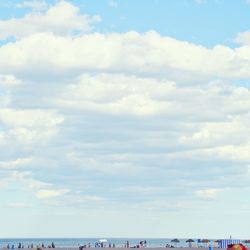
column 119, row 248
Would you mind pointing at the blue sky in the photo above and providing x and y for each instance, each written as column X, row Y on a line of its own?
column 204, row 22
column 130, row 117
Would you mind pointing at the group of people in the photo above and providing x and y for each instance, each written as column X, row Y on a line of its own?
column 169, row 246
column 141, row 244
column 97, row 245
column 21, row 246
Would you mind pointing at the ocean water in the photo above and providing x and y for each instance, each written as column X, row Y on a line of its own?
column 75, row 242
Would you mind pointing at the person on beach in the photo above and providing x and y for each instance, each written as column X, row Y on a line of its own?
column 127, row 244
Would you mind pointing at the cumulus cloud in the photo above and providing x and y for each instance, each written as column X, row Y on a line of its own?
column 28, row 126
column 49, row 193
column 118, row 94
column 113, row 116
column 63, row 18
column 147, row 54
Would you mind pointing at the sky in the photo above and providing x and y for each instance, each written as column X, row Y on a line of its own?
column 125, row 118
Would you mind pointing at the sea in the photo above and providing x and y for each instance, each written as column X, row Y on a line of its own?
column 76, row 242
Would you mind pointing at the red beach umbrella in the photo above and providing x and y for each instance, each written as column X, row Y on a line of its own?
column 236, row 247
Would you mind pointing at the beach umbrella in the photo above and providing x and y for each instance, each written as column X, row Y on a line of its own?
column 189, row 240
column 205, row 241
column 103, row 241
column 236, row 247
column 175, row 241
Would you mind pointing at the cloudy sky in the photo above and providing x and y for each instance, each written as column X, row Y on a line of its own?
column 125, row 118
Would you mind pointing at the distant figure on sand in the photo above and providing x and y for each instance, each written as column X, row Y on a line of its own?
column 127, row 244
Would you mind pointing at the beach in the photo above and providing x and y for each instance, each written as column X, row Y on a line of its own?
column 119, row 248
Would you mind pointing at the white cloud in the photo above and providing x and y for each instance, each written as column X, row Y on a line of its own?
column 15, row 163
column 28, row 126
column 113, row 3
column 146, row 55
column 9, row 80
column 30, row 118
column 35, row 4
column 243, row 38
column 118, row 94
column 45, row 194
column 63, row 18
column 210, row 193
column 218, row 133
column 112, row 113
column 91, row 198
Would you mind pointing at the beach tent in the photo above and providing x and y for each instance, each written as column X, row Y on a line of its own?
column 225, row 243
